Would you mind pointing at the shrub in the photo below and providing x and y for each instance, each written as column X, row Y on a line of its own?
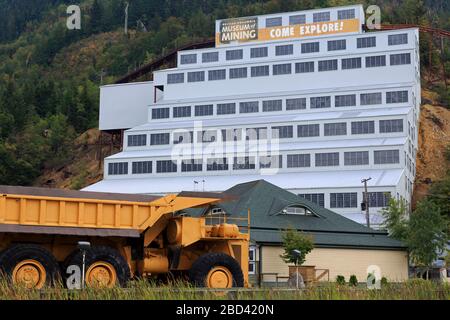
column 384, row 281
column 295, row 240
column 353, row 281
column 340, row 280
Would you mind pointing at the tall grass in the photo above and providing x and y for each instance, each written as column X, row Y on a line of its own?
column 145, row 290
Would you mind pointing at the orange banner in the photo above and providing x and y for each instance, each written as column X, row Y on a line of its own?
column 296, row 31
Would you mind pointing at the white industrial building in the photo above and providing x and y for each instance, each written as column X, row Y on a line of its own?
column 305, row 100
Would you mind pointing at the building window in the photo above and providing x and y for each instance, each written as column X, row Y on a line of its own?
column 386, row 156
column 217, row 164
column 207, row 136
column 356, row 158
column 335, row 45
column 367, row 42
column 210, row 57
column 142, row 167
column 397, row 96
column 371, row 98
column 166, row 166
column 234, row 54
column 296, row 104
column 244, row 163
column 236, row 73
column 399, row 59
column 388, row 126
column 259, row 71
column 117, row 168
column 375, row 61
column 256, row 133
column 160, row 113
column 252, row 260
column 181, row 112
column 298, row 160
column 226, row 108
column 231, row 134
column 204, row 110
column 284, row 50
column 351, row 63
column 327, row 159
column 196, row 76
column 285, row 68
column 272, row 105
column 260, row 52
column 310, row 47
column 297, row 19
column 188, row 58
column 328, row 65
column 175, row 78
column 321, row 16
column 137, row 140
column 317, row 198
column 193, row 165
column 308, row 130
column 346, row 14
column 271, row 162
column 217, row 74
column 304, row 67
column 297, row 210
column 282, row 132
column 274, row 22
column 157, row 139
column 183, row 137
column 335, row 129
column 249, row 107
column 378, row 199
column 320, row 102
column 348, row 100
column 363, row 127
column 396, row 39
column 344, row 200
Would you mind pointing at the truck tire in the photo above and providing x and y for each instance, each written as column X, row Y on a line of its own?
column 216, row 270
column 105, row 266
column 30, row 265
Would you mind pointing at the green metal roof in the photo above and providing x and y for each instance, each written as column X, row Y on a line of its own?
column 266, row 203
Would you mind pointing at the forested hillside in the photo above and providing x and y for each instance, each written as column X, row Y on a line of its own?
column 49, row 75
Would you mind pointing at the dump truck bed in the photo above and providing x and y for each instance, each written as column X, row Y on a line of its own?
column 49, row 208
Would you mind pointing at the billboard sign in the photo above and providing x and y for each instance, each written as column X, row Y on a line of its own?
column 240, row 30
column 235, row 31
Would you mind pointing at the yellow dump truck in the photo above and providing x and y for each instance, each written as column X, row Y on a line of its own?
column 129, row 236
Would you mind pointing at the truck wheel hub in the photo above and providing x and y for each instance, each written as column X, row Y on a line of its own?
column 29, row 273
column 101, row 274
column 219, row 277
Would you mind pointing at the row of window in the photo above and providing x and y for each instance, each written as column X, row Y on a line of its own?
column 346, row 100
column 327, row 159
column 349, row 199
column 286, row 68
column 288, row 49
column 344, row 14
column 261, row 133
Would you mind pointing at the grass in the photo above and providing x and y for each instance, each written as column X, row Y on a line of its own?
column 144, row 290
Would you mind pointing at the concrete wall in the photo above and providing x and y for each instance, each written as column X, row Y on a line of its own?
column 125, row 106
column 393, row 264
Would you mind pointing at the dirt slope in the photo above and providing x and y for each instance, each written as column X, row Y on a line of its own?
column 434, row 137
column 86, row 165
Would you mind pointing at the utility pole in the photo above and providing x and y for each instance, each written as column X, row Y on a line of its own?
column 127, row 4
column 366, row 200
